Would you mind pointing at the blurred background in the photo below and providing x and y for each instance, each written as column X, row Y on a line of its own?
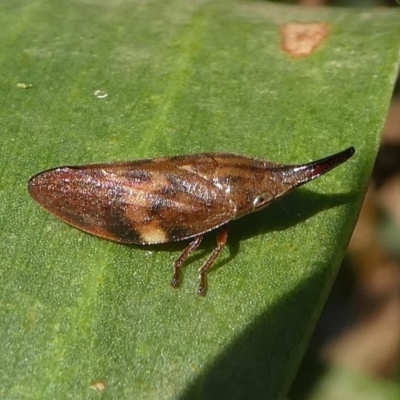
column 355, row 350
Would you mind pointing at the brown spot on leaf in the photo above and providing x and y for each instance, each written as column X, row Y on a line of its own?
column 302, row 39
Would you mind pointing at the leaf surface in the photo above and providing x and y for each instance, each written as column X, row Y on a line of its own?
column 100, row 81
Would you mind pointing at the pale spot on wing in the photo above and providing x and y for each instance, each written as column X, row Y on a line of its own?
column 152, row 233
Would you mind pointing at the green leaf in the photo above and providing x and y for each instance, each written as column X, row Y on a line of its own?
column 77, row 312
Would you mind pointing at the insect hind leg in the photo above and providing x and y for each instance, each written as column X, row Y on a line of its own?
column 193, row 245
column 222, row 239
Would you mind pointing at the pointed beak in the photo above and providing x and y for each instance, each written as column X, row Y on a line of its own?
column 288, row 177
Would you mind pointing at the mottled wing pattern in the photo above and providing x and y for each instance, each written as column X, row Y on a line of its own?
column 145, row 202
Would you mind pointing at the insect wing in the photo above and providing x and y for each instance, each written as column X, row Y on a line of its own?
column 144, row 202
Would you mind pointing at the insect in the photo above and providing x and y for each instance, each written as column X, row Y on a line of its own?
column 169, row 199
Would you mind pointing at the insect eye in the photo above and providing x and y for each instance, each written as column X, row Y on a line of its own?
column 262, row 200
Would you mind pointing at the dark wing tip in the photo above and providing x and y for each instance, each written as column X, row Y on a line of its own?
column 349, row 152
column 324, row 165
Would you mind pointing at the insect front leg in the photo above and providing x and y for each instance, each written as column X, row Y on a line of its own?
column 193, row 245
column 222, row 239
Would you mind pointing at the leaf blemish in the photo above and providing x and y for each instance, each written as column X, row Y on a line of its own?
column 98, row 386
column 302, row 39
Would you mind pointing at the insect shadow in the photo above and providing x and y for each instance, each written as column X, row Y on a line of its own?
column 253, row 363
column 288, row 211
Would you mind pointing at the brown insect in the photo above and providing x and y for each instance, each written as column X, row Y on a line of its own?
column 169, row 199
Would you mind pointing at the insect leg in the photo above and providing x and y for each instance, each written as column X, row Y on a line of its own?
column 193, row 245
column 222, row 239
